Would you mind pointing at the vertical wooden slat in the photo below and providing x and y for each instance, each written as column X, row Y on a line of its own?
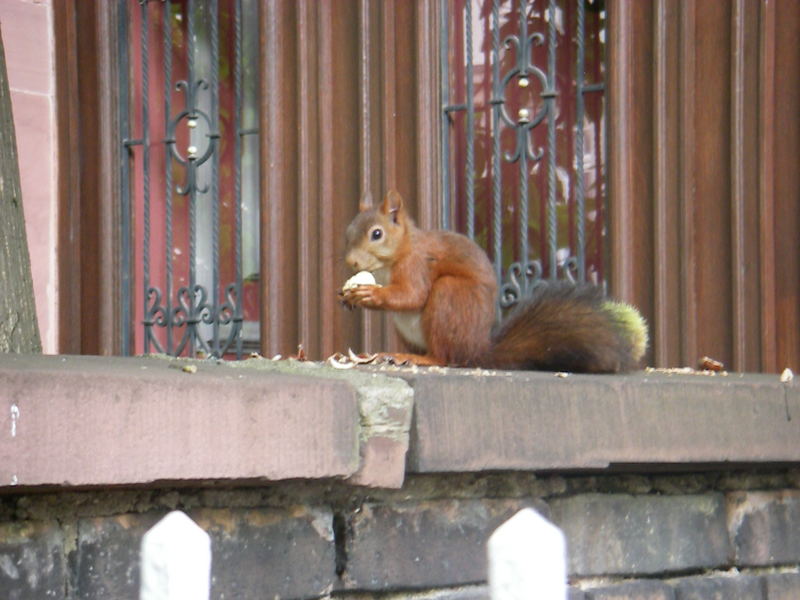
column 307, row 198
column 738, row 119
column 712, row 184
column 428, row 114
column 744, row 191
column 786, row 191
column 365, row 132
column 687, row 125
column 343, row 148
column 389, row 120
column 109, row 304
column 327, row 255
column 767, row 186
column 389, row 116
column 406, row 101
column 278, row 230
column 620, row 96
column 370, row 323
column 365, row 98
column 69, row 196
column 90, row 225
column 630, row 145
column 666, row 325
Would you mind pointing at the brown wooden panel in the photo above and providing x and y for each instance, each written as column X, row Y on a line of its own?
column 308, row 165
column 744, row 186
column 722, row 139
column 766, row 170
column 428, row 143
column 339, row 114
column 787, row 193
column 687, row 174
column 630, row 126
column 89, row 177
column 68, row 110
column 341, row 144
column 666, row 323
column 110, row 155
column 712, row 238
column 279, row 263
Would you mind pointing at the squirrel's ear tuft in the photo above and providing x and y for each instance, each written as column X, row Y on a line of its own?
column 365, row 203
column 392, row 204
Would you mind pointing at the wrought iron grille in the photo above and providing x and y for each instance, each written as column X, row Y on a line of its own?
column 190, row 178
column 519, row 174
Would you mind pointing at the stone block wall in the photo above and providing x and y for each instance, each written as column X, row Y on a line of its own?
column 705, row 535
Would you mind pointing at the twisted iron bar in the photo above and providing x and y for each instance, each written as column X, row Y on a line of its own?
column 470, row 159
column 215, row 200
column 167, row 41
column 550, row 99
column 145, row 54
column 237, row 166
column 497, row 179
column 580, row 192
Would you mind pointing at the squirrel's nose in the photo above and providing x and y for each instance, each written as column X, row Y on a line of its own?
column 353, row 262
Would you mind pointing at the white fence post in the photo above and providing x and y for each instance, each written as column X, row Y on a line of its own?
column 527, row 559
column 175, row 560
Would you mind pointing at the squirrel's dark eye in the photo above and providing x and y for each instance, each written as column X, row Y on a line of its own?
column 376, row 234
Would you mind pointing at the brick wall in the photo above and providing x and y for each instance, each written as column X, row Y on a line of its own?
column 720, row 534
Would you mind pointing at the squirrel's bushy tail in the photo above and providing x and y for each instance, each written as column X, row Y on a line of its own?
column 568, row 327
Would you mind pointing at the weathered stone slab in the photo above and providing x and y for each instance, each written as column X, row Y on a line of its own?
column 424, row 544
column 255, row 553
column 633, row 590
column 32, row 561
column 101, row 421
column 106, row 561
column 270, row 553
column 740, row 587
column 765, row 527
column 385, row 407
column 641, row 535
column 782, row 586
column 537, row 421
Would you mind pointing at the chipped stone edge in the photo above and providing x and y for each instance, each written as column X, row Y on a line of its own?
column 386, row 406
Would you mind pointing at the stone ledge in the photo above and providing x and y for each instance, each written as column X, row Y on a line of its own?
column 536, row 421
column 84, row 421
column 91, row 421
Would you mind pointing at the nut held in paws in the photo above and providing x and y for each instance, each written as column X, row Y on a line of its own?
column 360, row 278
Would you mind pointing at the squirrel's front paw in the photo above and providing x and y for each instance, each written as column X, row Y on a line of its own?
column 365, row 296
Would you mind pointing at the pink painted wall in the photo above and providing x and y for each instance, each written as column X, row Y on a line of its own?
column 27, row 29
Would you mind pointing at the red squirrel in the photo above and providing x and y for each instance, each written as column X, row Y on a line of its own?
column 441, row 289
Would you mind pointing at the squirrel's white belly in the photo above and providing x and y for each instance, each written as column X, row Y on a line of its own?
column 409, row 324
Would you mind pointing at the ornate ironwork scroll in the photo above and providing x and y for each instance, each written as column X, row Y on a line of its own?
column 513, row 67
column 523, row 275
column 193, row 318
